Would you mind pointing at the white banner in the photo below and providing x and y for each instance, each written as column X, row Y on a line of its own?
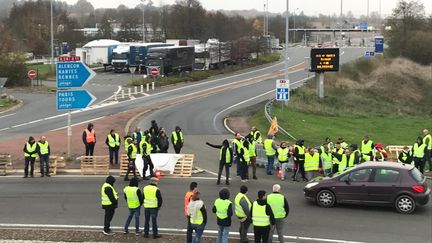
column 162, row 162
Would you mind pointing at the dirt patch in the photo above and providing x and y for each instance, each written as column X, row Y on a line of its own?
column 238, row 120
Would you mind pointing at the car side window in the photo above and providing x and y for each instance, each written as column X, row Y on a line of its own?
column 386, row 175
column 360, row 175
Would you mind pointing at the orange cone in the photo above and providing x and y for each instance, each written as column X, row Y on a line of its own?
column 280, row 173
column 158, row 174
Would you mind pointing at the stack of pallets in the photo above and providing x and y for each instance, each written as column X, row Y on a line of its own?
column 53, row 165
column 183, row 168
column 124, row 165
column 5, row 164
column 94, row 165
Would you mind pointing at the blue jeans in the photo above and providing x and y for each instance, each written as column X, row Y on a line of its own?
column 223, row 232
column 150, row 213
column 132, row 212
column 199, row 229
column 270, row 163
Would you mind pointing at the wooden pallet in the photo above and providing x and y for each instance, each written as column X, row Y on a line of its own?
column 124, row 165
column 394, row 151
column 94, row 165
column 5, row 164
column 61, row 162
column 53, row 165
column 183, row 168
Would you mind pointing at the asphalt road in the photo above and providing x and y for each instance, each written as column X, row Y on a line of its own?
column 76, row 201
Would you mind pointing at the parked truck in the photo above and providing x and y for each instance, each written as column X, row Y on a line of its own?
column 212, row 54
column 170, row 60
column 128, row 55
column 97, row 52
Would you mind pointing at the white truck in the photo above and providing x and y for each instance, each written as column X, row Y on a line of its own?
column 212, row 54
column 97, row 52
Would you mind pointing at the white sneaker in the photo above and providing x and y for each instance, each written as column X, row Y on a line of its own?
column 110, row 233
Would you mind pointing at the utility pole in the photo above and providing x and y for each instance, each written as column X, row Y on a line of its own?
column 286, row 44
column 52, row 33
column 341, row 20
column 143, row 21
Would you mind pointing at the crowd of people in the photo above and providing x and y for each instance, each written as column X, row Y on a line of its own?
column 267, row 214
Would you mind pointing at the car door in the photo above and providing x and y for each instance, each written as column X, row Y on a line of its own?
column 384, row 184
column 353, row 186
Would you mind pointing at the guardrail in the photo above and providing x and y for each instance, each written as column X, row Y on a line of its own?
column 268, row 115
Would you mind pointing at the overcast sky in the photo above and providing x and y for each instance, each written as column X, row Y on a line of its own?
column 310, row 7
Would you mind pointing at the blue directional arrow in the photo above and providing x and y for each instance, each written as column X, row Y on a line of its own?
column 73, row 74
column 74, row 99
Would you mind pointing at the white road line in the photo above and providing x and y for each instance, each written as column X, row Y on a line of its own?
column 7, row 115
column 168, row 230
column 4, row 129
column 78, row 123
column 113, row 173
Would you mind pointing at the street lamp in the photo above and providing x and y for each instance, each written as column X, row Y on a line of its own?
column 143, row 20
column 294, row 16
column 340, row 23
column 286, row 39
column 52, row 33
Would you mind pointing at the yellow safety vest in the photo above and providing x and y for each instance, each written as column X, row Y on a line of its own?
column 282, row 154
column 238, row 145
column 131, row 196
column 268, row 146
column 352, row 158
column 419, row 150
column 134, row 150
column 43, row 148
column 301, row 149
column 327, row 160
column 238, row 208
column 104, row 197
column 246, row 156
column 128, row 141
column 175, row 138
column 222, row 206
column 277, row 203
column 311, row 162
column 338, row 151
column 252, row 149
column 30, row 149
column 366, row 148
column 259, row 216
column 227, row 155
column 343, row 164
column 148, row 147
column 429, row 144
column 199, row 219
column 114, row 141
column 150, row 199
column 254, row 135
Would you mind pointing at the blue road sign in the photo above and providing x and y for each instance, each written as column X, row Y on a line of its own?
column 363, row 26
column 73, row 74
column 379, row 44
column 282, row 94
column 73, row 99
column 369, row 54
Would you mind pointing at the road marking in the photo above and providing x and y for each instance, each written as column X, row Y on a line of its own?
column 78, row 123
column 168, row 230
column 7, row 115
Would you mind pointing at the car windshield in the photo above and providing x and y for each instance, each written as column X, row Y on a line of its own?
column 417, row 175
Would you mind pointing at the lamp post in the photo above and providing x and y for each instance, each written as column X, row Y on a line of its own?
column 52, row 33
column 294, row 16
column 286, row 39
column 143, row 20
column 340, row 22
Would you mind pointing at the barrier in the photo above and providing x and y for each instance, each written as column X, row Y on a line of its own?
column 94, row 165
column 124, row 165
column 394, row 150
column 53, row 165
column 5, row 165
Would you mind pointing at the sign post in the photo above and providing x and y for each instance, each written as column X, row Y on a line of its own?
column 323, row 60
column 379, row 45
column 71, row 73
column 31, row 74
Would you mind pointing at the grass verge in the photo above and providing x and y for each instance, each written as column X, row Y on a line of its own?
column 45, row 71
column 6, row 103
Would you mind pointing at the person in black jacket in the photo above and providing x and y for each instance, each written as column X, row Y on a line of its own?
column 405, row 156
column 224, row 224
column 261, row 233
column 163, row 142
column 177, row 139
column 113, row 203
column 30, row 152
column 225, row 159
column 154, row 129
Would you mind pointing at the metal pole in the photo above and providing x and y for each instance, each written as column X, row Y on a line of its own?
column 143, row 22
column 52, row 33
column 321, row 85
column 286, row 44
column 264, row 20
column 69, row 133
column 367, row 20
column 341, row 6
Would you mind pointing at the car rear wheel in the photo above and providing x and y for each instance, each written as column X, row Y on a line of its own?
column 326, row 198
column 405, row 204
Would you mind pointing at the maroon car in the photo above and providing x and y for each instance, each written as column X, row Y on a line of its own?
column 375, row 183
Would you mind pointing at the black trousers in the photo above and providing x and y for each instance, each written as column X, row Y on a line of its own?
column 131, row 167
column 113, row 155
column 44, row 163
column 109, row 214
column 222, row 164
column 29, row 161
column 89, row 147
column 148, row 163
column 299, row 167
column 261, row 234
column 188, row 231
column 177, row 149
column 244, row 170
column 419, row 163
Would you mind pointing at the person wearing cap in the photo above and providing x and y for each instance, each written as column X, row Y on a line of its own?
column 44, row 151
column 262, row 218
column 89, row 139
column 418, row 151
column 280, row 209
column 405, row 156
column 366, row 147
column 223, row 210
column 242, row 206
column 379, row 152
column 271, row 151
column 109, row 198
column 187, row 199
column 427, row 140
column 197, row 216
column 134, row 199
column 113, row 143
column 30, row 153
column 152, row 204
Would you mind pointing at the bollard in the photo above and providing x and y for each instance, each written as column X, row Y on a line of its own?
column 135, row 90
column 122, row 95
column 142, row 88
column 115, row 96
column 129, row 92
column 148, row 87
column 152, row 85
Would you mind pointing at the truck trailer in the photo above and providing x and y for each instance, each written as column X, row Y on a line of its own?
column 170, row 60
column 212, row 54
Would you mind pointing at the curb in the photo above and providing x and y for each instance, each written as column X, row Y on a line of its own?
column 225, row 123
column 13, row 108
column 132, row 120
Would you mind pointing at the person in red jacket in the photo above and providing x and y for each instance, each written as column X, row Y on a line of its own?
column 89, row 139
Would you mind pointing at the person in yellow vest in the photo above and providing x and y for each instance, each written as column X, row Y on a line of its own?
column 113, row 143
column 299, row 160
column 252, row 154
column 223, row 210
column 44, row 152
column 283, row 153
column 262, row 218
column 138, row 135
column 405, row 156
column 313, row 163
column 242, row 206
column 418, row 151
column 197, row 216
column 236, row 146
column 355, row 156
column 270, row 150
column 145, row 149
column 327, row 161
column 131, row 153
column 338, row 150
column 30, row 153
column 343, row 160
column 256, row 135
column 280, row 209
column 134, row 199
column 152, row 205
column 342, row 142
column 427, row 140
column 366, row 147
column 193, row 188
column 177, row 139
column 225, row 159
column 244, row 161
column 89, row 139
column 127, row 141
column 109, row 200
